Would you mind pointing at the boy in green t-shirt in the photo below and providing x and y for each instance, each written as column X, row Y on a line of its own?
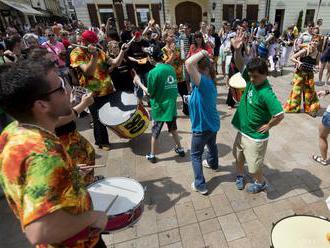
column 259, row 110
column 163, row 92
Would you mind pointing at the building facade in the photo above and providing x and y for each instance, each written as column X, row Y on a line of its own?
column 215, row 12
column 96, row 12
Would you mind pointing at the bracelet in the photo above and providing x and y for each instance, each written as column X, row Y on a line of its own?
column 75, row 112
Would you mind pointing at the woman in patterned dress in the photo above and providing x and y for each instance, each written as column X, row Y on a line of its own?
column 303, row 80
column 172, row 56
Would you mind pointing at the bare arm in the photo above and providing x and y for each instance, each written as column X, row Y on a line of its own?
column 237, row 43
column 272, row 123
column 117, row 61
column 90, row 67
column 191, row 66
column 59, row 226
column 295, row 57
column 86, row 101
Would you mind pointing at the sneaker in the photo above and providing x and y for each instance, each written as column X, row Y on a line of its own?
column 206, row 164
column 180, row 151
column 257, row 187
column 203, row 192
column 151, row 158
column 186, row 99
column 239, row 182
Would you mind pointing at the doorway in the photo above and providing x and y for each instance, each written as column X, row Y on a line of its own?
column 279, row 18
column 188, row 12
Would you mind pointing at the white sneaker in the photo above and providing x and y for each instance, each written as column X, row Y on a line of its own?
column 206, row 165
column 203, row 192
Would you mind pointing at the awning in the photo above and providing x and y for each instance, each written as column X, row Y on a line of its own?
column 22, row 7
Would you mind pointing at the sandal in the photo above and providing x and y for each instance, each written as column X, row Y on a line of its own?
column 320, row 160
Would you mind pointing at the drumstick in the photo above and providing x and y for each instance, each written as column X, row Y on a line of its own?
column 85, row 166
column 85, row 47
column 111, row 203
column 136, row 35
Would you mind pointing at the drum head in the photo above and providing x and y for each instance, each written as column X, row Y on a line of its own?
column 119, row 109
column 301, row 231
column 130, row 194
column 237, row 81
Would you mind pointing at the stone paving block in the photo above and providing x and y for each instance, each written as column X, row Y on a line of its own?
column 310, row 198
column 147, row 224
column 205, row 214
column 150, row 241
column 191, row 236
column 175, row 245
column 166, row 223
column 220, row 204
column 240, row 205
column 215, row 240
column 127, row 234
column 169, row 237
column 185, row 213
column 231, row 227
column 201, row 202
column 210, row 225
column 240, row 243
column 246, row 216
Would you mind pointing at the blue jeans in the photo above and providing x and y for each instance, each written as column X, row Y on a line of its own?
column 198, row 142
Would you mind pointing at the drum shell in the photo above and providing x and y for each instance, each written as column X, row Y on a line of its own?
column 135, row 125
column 237, row 93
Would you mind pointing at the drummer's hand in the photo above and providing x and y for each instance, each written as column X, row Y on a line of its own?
column 264, row 129
column 124, row 47
column 92, row 49
column 101, row 220
column 88, row 99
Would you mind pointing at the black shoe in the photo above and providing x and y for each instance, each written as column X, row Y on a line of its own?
column 105, row 147
column 180, row 151
column 151, row 157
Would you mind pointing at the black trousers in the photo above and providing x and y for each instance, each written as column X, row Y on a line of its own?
column 183, row 90
column 100, row 131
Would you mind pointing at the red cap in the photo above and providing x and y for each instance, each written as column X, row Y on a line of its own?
column 89, row 36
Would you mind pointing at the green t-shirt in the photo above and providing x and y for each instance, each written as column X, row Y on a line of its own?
column 163, row 90
column 256, row 108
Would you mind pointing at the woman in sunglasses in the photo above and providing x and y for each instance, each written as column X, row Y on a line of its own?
column 57, row 49
column 199, row 45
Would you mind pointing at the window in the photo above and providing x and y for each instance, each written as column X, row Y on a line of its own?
column 309, row 16
column 239, row 11
column 143, row 16
column 228, row 12
column 252, row 12
column 105, row 14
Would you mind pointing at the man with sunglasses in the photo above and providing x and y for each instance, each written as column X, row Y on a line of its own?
column 93, row 65
column 42, row 186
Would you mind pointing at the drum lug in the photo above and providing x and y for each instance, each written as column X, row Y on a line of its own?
column 145, row 188
column 325, row 218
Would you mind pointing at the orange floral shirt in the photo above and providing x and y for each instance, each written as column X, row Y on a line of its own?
column 100, row 82
column 38, row 178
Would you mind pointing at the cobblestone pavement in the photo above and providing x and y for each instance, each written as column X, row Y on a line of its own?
column 174, row 216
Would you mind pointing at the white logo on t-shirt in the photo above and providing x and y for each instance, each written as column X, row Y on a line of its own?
column 249, row 96
column 170, row 79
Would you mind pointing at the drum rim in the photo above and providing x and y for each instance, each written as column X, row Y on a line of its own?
column 290, row 216
column 137, row 205
column 133, row 112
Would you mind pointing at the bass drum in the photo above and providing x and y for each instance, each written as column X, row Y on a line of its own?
column 124, row 115
column 301, row 231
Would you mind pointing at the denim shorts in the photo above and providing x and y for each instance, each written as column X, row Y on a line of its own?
column 326, row 119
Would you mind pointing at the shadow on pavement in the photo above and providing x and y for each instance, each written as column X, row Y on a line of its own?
column 162, row 194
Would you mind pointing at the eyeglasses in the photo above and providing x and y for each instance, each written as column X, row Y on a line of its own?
column 51, row 35
column 198, row 37
column 62, row 89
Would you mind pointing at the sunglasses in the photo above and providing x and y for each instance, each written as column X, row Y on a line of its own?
column 62, row 89
column 51, row 35
column 198, row 37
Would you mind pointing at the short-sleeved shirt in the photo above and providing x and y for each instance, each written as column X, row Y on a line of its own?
column 100, row 82
column 203, row 106
column 38, row 177
column 256, row 108
column 163, row 91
